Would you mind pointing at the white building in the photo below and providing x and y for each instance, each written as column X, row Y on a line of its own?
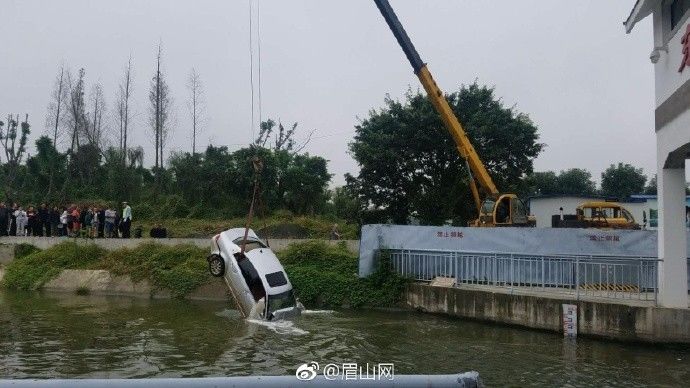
column 671, row 59
column 545, row 206
column 643, row 207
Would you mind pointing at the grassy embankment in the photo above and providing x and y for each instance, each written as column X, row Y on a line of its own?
column 280, row 225
column 323, row 275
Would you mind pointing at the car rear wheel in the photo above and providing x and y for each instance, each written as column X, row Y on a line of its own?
column 216, row 266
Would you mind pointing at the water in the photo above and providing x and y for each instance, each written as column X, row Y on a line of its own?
column 108, row 337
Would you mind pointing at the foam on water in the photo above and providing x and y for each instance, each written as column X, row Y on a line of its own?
column 308, row 312
column 280, row 327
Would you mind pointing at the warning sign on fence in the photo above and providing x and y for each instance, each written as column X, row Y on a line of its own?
column 570, row 320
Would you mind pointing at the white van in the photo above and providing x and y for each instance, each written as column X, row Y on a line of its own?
column 256, row 278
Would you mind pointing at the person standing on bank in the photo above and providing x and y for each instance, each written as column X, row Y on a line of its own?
column 4, row 219
column 33, row 222
column 126, row 220
column 101, row 222
column 53, row 222
column 43, row 220
column 13, row 220
column 21, row 221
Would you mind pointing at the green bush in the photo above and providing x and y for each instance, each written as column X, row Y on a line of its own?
column 180, row 269
column 326, row 276
column 32, row 271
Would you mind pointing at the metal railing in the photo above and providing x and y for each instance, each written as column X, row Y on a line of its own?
column 572, row 275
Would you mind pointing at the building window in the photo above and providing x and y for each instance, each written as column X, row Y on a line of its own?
column 678, row 10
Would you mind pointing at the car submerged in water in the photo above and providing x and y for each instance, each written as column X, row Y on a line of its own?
column 256, row 279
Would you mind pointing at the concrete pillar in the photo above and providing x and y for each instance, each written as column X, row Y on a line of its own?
column 673, row 276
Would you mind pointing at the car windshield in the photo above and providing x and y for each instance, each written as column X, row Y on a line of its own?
column 280, row 301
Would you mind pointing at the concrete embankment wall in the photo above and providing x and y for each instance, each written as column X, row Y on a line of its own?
column 627, row 322
column 104, row 283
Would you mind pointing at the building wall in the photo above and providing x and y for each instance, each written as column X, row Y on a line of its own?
column 544, row 208
column 667, row 77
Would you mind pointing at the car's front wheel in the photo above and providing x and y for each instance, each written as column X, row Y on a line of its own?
column 216, row 265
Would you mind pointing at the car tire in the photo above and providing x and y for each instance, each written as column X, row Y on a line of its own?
column 216, row 266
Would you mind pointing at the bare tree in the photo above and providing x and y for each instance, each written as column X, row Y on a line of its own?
column 76, row 118
column 196, row 104
column 122, row 106
column 59, row 98
column 94, row 127
column 160, row 110
column 284, row 139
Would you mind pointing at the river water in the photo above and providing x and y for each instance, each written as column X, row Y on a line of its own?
column 68, row 336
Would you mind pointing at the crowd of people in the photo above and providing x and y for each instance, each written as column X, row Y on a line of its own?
column 67, row 221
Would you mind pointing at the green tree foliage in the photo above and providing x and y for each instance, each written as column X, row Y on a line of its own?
column 651, row 186
column 409, row 164
column 219, row 180
column 48, row 170
column 574, row 181
column 542, row 183
column 622, row 180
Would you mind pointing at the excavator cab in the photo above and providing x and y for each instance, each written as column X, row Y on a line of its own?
column 505, row 210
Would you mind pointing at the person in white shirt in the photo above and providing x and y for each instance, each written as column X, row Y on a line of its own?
column 126, row 220
column 63, row 222
column 110, row 216
column 22, row 221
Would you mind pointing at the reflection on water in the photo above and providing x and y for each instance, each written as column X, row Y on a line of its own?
column 91, row 336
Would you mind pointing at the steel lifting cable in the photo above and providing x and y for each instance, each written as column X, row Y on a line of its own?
column 251, row 63
column 258, row 42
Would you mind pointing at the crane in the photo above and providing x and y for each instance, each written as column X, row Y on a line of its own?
column 496, row 209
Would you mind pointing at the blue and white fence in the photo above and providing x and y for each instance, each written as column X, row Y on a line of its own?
column 573, row 275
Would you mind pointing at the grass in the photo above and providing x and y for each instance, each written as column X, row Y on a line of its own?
column 179, row 269
column 278, row 226
column 323, row 275
column 32, row 271
column 326, row 276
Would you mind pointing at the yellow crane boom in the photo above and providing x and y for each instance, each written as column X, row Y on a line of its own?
column 499, row 209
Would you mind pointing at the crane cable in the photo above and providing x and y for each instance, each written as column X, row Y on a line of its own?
column 257, row 163
column 255, row 90
column 251, row 63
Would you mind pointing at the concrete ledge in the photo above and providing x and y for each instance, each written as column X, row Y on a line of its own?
column 101, row 282
column 600, row 319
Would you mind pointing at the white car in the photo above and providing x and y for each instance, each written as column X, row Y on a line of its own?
column 256, row 278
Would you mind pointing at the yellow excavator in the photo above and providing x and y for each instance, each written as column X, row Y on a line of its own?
column 497, row 209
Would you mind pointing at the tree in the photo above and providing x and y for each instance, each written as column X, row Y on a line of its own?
column 159, row 112
column 14, row 145
column 542, row 183
column 622, row 180
column 283, row 140
column 124, row 114
column 650, row 189
column 576, row 181
column 76, row 118
column 59, row 98
column 410, row 166
column 195, row 104
column 94, row 127
column 45, row 168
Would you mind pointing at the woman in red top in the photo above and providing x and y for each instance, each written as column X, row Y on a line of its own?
column 75, row 221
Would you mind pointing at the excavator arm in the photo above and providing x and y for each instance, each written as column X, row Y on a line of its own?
column 476, row 169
